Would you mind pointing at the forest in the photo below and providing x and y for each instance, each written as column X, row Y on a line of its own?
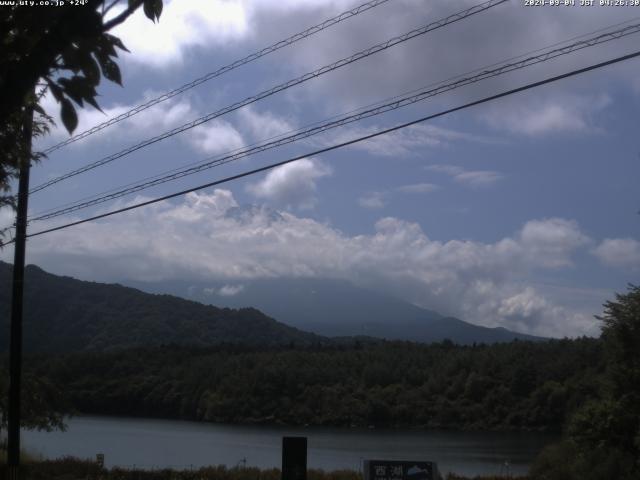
column 520, row 385
column 586, row 388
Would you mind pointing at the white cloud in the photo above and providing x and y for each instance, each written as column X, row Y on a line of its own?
column 399, row 143
column 7, row 217
column 188, row 25
column 418, row 188
column 216, row 136
column 619, row 252
column 373, row 200
column 229, row 290
column 551, row 241
column 209, row 237
column 182, row 27
column 264, row 125
column 292, row 185
column 523, row 307
column 478, row 178
column 555, row 114
column 88, row 117
column 469, row 178
column 248, row 25
column 505, row 31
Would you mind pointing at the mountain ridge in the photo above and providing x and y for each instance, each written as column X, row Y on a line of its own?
column 337, row 308
column 65, row 314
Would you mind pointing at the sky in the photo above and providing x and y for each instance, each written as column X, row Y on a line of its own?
column 520, row 213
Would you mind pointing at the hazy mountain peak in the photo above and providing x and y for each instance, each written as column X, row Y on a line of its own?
column 336, row 307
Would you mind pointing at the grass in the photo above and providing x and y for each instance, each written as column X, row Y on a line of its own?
column 70, row 468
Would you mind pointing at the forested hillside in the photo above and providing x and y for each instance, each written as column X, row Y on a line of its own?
column 521, row 385
column 66, row 314
column 63, row 314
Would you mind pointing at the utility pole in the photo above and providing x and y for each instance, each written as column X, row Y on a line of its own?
column 15, row 346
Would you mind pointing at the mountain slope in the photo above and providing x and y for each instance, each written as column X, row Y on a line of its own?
column 65, row 314
column 333, row 307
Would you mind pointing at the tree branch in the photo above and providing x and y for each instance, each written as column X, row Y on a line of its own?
column 106, row 10
column 122, row 17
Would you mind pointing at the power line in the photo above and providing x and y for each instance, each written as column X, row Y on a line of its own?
column 222, row 70
column 272, row 91
column 396, row 103
column 344, row 144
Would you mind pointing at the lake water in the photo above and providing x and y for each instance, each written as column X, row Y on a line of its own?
column 145, row 443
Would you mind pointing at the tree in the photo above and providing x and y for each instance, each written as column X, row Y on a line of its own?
column 621, row 335
column 620, row 409
column 43, row 403
column 603, row 436
column 64, row 49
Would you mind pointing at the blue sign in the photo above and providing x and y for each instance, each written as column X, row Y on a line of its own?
column 400, row 470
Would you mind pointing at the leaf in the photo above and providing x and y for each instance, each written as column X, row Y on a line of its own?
column 39, row 109
column 69, row 115
column 71, row 58
column 153, row 9
column 80, row 89
column 90, row 70
column 72, row 89
column 92, row 101
column 56, row 91
column 106, row 47
column 117, row 42
column 148, row 10
column 111, row 71
column 158, row 8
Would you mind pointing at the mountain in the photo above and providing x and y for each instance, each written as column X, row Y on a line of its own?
column 65, row 314
column 333, row 307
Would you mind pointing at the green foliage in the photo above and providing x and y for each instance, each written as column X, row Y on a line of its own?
column 453, row 476
column 43, row 405
column 241, row 366
column 63, row 314
column 69, row 468
column 621, row 334
column 555, row 462
column 566, row 461
column 390, row 384
column 66, row 50
column 603, row 435
column 14, row 147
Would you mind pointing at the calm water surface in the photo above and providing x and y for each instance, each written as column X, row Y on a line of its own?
column 170, row 443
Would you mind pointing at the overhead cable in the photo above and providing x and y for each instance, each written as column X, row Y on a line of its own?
column 396, row 103
column 278, row 88
column 343, row 144
column 221, row 71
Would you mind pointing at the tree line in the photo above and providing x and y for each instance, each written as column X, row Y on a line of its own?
column 586, row 388
column 520, row 385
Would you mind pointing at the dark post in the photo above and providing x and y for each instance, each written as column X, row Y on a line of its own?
column 15, row 346
column 294, row 458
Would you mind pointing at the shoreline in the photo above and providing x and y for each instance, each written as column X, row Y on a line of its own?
column 352, row 427
column 166, row 443
column 72, row 468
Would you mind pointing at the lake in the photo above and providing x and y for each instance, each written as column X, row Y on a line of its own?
column 150, row 443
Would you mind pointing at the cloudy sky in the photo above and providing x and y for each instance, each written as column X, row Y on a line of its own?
column 520, row 213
